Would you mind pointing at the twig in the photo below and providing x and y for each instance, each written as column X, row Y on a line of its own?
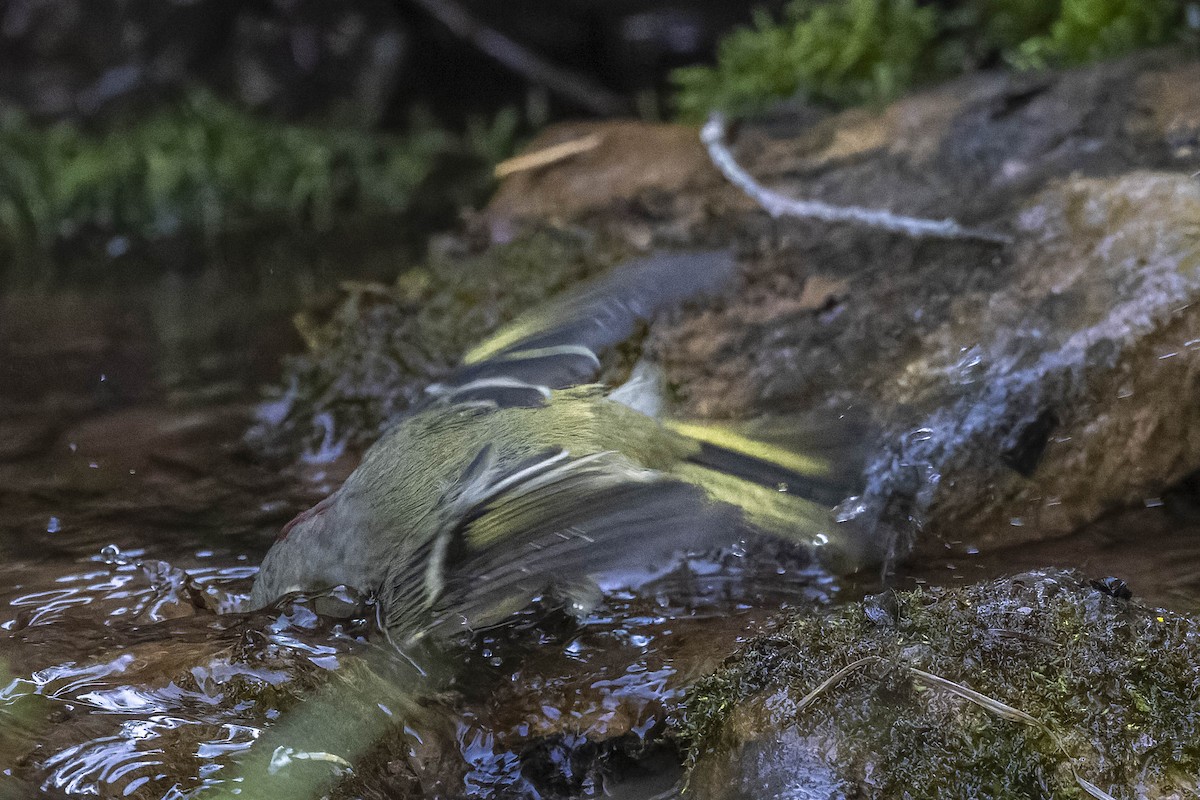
column 547, row 155
column 833, row 679
column 1005, row 711
column 991, row 704
column 577, row 88
column 778, row 205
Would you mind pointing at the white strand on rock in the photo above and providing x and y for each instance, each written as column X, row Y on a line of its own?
column 778, row 205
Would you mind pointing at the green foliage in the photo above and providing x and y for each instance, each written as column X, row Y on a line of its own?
column 203, row 165
column 839, row 52
column 842, row 52
column 1088, row 30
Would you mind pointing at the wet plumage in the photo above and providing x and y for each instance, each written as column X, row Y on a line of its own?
column 520, row 477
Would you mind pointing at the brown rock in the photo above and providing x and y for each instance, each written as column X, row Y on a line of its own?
column 631, row 158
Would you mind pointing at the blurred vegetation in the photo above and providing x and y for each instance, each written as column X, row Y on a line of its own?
column 200, row 165
column 843, row 52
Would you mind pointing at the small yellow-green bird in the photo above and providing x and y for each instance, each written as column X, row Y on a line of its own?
column 521, row 477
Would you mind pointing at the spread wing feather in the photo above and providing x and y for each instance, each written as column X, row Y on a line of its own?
column 557, row 344
column 515, row 531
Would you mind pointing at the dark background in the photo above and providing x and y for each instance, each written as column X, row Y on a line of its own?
column 364, row 61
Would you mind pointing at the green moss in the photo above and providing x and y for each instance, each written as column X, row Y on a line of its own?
column 201, row 165
column 1088, row 30
column 1109, row 683
column 383, row 345
column 842, row 53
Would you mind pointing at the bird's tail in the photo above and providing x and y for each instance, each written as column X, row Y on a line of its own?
column 789, row 475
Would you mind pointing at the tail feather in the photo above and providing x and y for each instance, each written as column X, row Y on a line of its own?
column 818, row 459
column 788, row 482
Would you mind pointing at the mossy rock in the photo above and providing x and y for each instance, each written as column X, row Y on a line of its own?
column 1039, row 685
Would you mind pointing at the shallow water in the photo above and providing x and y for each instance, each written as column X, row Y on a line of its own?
column 130, row 673
column 133, row 674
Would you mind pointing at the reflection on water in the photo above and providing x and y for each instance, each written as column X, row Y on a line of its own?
column 148, row 692
column 129, row 683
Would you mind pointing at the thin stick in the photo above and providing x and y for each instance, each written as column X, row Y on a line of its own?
column 982, row 700
column 577, row 88
column 778, row 205
column 547, row 155
column 833, row 679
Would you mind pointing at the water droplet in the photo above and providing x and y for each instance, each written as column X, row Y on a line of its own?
column 53, row 526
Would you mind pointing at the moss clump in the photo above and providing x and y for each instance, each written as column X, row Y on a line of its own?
column 384, row 344
column 839, row 53
column 842, row 53
column 1088, row 30
column 1110, row 686
column 202, row 165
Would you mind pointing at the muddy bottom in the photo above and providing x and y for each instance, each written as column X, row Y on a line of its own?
column 132, row 672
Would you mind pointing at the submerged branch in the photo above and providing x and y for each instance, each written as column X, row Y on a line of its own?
column 778, row 205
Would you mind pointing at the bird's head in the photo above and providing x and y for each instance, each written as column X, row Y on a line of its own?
column 319, row 549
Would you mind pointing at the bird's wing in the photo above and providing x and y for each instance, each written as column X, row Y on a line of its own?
column 513, row 531
column 559, row 343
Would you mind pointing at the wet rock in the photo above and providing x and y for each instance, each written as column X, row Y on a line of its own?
column 1170, row 101
column 1026, row 686
column 1066, row 393
column 1025, row 391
